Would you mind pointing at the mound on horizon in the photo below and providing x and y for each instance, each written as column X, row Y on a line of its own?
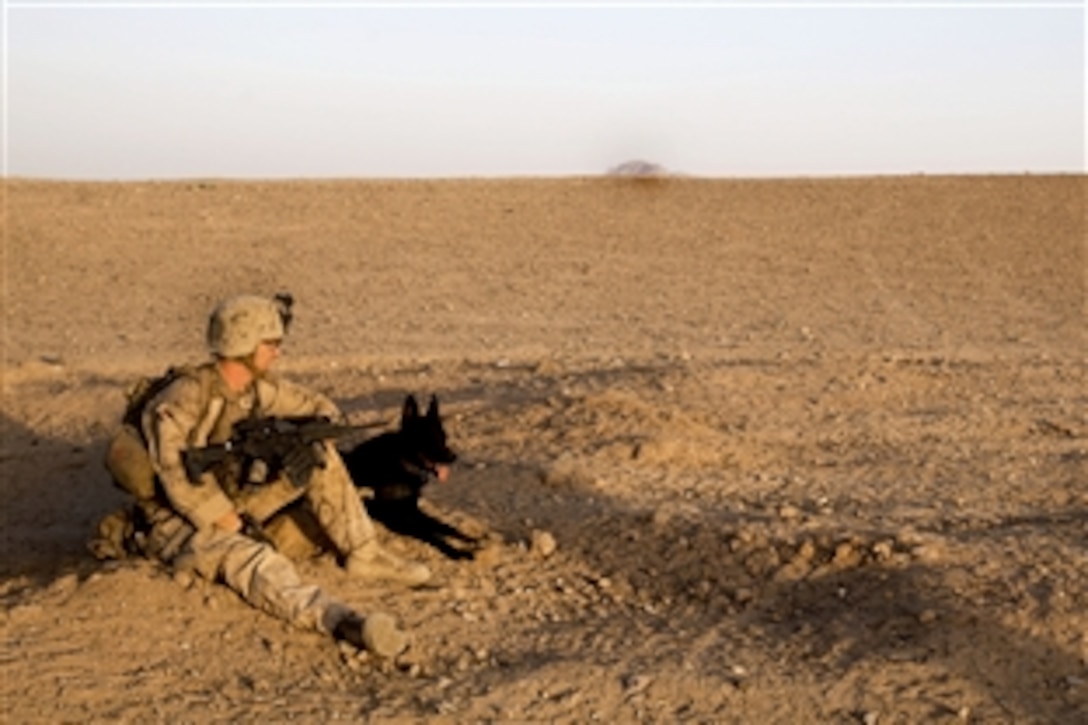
column 638, row 167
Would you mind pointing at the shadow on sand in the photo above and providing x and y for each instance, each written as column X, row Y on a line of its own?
column 704, row 589
column 52, row 495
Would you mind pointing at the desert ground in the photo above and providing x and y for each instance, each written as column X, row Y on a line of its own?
column 750, row 451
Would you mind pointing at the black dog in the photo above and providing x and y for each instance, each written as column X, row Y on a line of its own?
column 395, row 467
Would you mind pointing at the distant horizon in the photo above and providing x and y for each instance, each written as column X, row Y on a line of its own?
column 666, row 176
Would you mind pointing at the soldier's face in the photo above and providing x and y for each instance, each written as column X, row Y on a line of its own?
column 266, row 354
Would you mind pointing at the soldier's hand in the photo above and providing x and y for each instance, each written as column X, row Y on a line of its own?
column 229, row 521
column 299, row 464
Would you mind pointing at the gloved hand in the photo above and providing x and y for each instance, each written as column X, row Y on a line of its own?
column 300, row 463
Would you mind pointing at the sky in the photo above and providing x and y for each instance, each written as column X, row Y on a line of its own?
column 186, row 89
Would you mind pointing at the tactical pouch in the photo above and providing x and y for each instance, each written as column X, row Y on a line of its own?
column 129, row 464
column 113, row 536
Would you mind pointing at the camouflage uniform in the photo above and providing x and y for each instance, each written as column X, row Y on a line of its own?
column 191, row 413
column 195, row 408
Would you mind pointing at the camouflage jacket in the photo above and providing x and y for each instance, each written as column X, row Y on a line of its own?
column 198, row 409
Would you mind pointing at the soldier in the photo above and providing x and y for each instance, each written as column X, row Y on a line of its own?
column 199, row 525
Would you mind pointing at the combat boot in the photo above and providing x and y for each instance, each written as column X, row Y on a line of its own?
column 377, row 633
column 371, row 561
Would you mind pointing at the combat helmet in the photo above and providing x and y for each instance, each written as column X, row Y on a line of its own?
column 239, row 324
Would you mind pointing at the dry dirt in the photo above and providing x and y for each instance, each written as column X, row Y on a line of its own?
column 808, row 450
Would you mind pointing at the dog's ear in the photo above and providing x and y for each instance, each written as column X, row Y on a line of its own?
column 432, row 408
column 411, row 409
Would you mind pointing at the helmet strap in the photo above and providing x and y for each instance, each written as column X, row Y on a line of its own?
column 251, row 365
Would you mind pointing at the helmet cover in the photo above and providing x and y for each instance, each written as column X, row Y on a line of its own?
column 238, row 325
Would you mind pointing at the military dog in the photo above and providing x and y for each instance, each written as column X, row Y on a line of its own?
column 392, row 469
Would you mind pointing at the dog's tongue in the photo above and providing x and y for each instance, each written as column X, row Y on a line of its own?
column 442, row 472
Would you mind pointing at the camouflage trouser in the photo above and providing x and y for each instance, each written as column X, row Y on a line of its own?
column 263, row 577
column 331, row 505
column 266, row 578
column 335, row 503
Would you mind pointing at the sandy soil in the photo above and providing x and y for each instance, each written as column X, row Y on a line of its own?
column 808, row 450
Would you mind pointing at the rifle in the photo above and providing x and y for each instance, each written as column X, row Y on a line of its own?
column 287, row 445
